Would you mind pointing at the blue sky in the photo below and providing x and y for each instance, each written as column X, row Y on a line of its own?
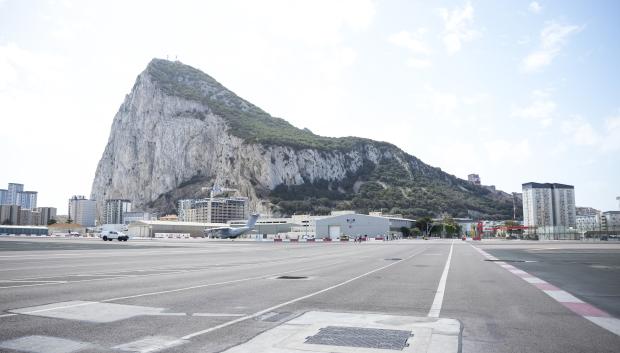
column 515, row 91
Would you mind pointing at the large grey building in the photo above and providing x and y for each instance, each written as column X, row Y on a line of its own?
column 82, row 211
column 3, row 196
column 549, row 205
column 352, row 225
column 115, row 209
column 9, row 214
column 46, row 214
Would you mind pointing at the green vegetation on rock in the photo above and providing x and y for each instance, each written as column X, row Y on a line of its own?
column 246, row 120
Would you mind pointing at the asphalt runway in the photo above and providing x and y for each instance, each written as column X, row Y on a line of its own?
column 84, row 295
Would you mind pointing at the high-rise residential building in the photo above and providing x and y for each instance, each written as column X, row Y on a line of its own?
column 46, row 214
column 549, row 205
column 27, row 199
column 183, row 208
column 114, row 210
column 474, row 179
column 213, row 210
column 9, row 214
column 3, row 196
column 12, row 193
column 82, row 211
column 15, row 195
column 618, row 198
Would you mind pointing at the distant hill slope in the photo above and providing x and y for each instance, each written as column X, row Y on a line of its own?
column 179, row 130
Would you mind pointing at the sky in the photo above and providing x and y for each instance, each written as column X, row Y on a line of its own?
column 515, row 91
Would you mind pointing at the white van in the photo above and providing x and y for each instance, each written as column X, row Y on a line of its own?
column 112, row 234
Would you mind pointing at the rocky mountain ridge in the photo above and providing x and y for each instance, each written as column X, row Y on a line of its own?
column 179, row 130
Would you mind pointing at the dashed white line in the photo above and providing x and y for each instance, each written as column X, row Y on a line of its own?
column 441, row 288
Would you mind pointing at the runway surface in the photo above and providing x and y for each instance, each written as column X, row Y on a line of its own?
column 81, row 295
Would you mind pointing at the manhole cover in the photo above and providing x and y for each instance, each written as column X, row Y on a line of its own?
column 394, row 259
column 291, row 277
column 361, row 337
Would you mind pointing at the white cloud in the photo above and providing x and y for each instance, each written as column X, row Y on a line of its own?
column 611, row 139
column 552, row 39
column 419, row 63
column 407, row 40
column 457, row 27
column 541, row 108
column 505, row 151
column 418, row 48
column 580, row 131
column 535, row 7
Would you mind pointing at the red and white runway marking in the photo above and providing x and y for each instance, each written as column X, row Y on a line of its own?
column 574, row 304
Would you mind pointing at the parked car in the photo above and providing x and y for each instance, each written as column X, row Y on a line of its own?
column 109, row 235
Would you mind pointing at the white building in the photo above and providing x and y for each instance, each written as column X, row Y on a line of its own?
column 587, row 219
column 134, row 216
column 352, row 225
column 549, row 205
column 610, row 220
column 114, row 211
column 550, row 208
column 82, row 211
column 213, row 210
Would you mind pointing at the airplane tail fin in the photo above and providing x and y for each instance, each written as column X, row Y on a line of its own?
column 252, row 220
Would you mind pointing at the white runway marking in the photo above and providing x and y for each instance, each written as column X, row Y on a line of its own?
column 92, row 311
column 150, row 344
column 563, row 296
column 216, row 315
column 441, row 288
column 44, row 344
column 264, row 311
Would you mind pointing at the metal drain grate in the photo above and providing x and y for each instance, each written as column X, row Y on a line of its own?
column 291, row 277
column 394, row 259
column 361, row 337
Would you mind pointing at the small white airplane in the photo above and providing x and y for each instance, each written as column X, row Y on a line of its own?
column 230, row 232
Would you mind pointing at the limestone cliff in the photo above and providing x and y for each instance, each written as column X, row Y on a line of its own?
column 179, row 130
